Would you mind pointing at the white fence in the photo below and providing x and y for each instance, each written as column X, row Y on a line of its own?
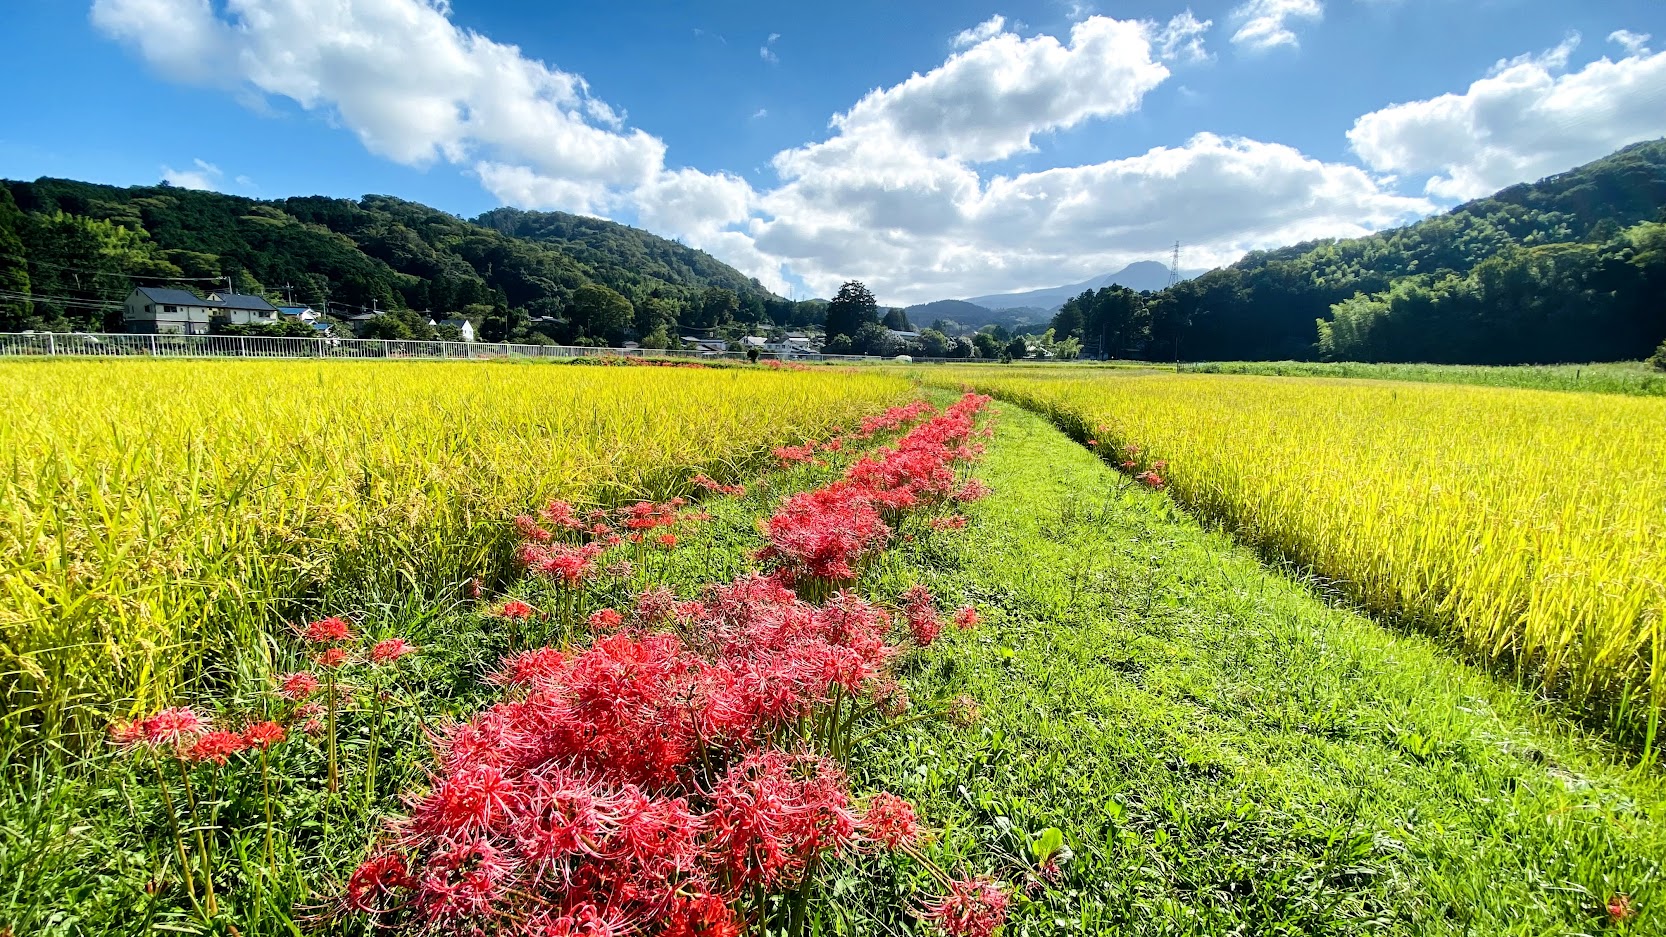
column 250, row 346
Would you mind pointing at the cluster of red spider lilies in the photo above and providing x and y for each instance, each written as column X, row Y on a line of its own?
column 683, row 774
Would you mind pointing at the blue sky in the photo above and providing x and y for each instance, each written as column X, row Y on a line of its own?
column 931, row 149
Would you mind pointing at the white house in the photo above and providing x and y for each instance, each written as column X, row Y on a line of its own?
column 178, row 312
column 710, row 346
column 461, row 325
column 298, row 313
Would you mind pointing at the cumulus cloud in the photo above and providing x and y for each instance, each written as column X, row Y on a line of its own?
column 1633, row 43
column 1182, row 39
column 767, row 50
column 1527, row 119
column 205, row 176
column 1265, row 24
column 993, row 26
column 987, row 101
column 894, row 194
column 413, row 86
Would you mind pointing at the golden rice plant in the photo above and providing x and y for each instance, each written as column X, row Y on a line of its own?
column 1531, row 524
column 159, row 518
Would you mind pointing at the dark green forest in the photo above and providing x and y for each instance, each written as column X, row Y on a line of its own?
column 71, row 251
column 1571, row 268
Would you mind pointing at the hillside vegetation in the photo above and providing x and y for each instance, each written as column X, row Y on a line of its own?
column 1571, row 268
column 70, row 251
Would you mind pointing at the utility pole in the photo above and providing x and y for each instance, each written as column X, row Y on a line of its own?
column 1174, row 266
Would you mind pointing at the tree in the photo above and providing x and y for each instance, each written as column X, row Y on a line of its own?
column 872, row 339
column 934, row 344
column 897, row 319
column 1019, row 347
column 986, row 345
column 601, row 312
column 851, row 309
column 1658, row 359
column 716, row 306
column 16, row 311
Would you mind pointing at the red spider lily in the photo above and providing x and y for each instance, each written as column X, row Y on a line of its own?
column 297, row 686
column 566, row 564
column 376, row 880
column 952, row 522
column 515, row 609
column 529, row 529
column 1619, row 908
column 974, row 907
column 530, row 667
column 890, row 821
column 1128, row 466
column 217, row 746
column 176, row 726
column 1093, row 443
column 391, row 650
column 921, row 611
column 966, row 618
column 331, row 658
column 790, row 455
column 327, row 631
column 605, row 619
column 622, row 569
column 718, row 487
column 964, row 711
column 1150, row 479
column 561, row 514
column 263, row 735
column 667, row 540
column 472, row 588
column 973, row 490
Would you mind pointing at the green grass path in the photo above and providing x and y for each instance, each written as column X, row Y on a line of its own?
column 1224, row 752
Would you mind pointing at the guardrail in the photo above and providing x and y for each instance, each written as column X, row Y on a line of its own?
column 82, row 344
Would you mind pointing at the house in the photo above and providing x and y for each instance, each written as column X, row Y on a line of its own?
column 463, row 326
column 154, row 310
column 902, row 336
column 298, row 313
column 706, row 346
column 755, row 341
column 357, row 323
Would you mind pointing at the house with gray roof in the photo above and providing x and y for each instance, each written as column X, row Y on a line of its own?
column 150, row 309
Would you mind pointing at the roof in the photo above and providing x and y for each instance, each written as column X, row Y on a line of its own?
column 221, row 300
column 294, row 310
column 320, row 326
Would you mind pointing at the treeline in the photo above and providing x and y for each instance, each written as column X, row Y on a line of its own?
column 1571, row 268
column 71, row 251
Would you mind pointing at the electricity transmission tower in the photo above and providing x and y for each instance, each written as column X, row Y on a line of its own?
column 1174, row 265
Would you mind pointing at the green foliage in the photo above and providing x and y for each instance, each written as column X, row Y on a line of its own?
column 1566, row 269
column 1658, row 359
column 283, row 328
column 1630, row 377
column 601, row 312
column 987, row 345
column 85, row 244
column 897, row 319
column 1019, row 347
column 852, row 308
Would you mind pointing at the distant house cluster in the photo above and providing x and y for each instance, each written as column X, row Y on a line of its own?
column 158, row 311
column 788, row 346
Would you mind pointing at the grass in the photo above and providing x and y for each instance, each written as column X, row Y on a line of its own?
column 158, row 518
column 1622, row 377
column 1220, row 749
column 1223, row 751
column 1526, row 523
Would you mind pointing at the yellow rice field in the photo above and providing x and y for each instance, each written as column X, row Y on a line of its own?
column 1532, row 524
column 157, row 519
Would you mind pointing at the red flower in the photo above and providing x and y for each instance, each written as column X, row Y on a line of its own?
column 974, row 907
column 515, row 609
column 391, row 650
column 263, row 735
column 217, row 747
column 327, row 631
column 921, row 610
column 966, row 619
column 1619, row 908
column 890, row 821
column 376, row 879
column 297, row 686
column 331, row 658
column 176, row 726
column 667, row 540
column 605, row 619
column 1150, row 479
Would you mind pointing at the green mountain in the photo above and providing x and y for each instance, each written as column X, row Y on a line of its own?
column 70, row 250
column 1570, row 268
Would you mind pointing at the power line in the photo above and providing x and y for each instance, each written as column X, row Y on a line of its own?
column 113, row 273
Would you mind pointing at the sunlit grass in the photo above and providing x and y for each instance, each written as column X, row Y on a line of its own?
column 1529, row 524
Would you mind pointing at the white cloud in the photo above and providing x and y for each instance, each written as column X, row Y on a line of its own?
column 1182, row 39
column 1265, row 24
column 991, row 27
column 767, row 50
column 1523, row 121
column 1633, row 43
column 413, row 86
column 894, row 195
column 760, row 113
column 987, row 101
column 205, row 176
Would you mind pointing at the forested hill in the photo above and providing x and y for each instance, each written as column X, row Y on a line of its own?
column 1570, row 268
column 74, row 247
